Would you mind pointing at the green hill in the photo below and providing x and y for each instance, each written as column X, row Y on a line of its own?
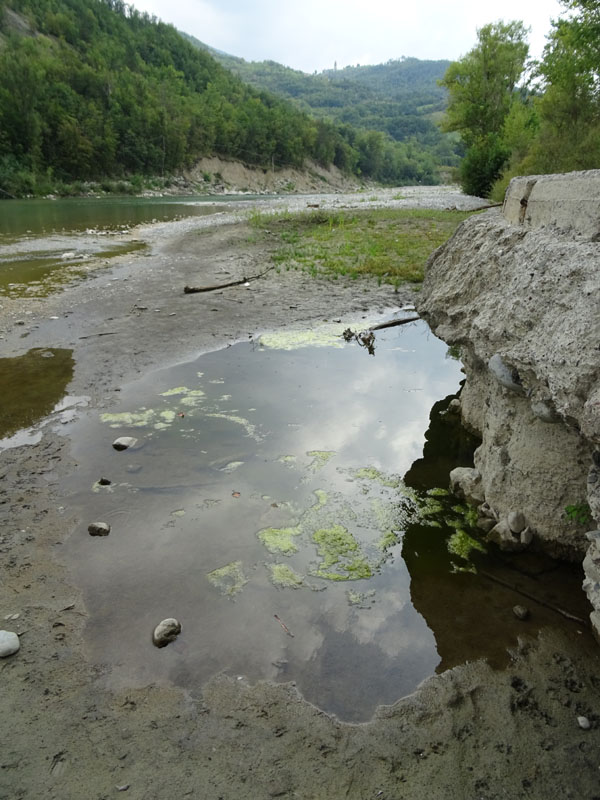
column 94, row 89
column 401, row 98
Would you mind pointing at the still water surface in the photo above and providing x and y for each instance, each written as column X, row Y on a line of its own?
column 46, row 243
column 285, row 506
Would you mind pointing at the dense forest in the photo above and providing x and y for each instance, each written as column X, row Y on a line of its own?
column 94, row 88
column 402, row 98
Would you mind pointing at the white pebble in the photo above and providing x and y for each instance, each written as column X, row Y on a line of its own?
column 124, row 442
column 9, row 643
column 584, row 723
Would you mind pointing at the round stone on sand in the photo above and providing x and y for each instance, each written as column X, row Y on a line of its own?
column 9, row 643
column 99, row 529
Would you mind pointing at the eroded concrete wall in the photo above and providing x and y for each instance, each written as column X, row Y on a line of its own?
column 519, row 291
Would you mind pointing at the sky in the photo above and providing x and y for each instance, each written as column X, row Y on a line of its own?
column 312, row 35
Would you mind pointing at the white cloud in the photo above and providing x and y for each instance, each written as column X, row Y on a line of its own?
column 314, row 34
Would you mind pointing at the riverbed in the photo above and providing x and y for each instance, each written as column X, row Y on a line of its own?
column 103, row 709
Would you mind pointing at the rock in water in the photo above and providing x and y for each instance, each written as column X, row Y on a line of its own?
column 99, row 529
column 124, row 442
column 9, row 643
column 166, row 632
column 521, row 612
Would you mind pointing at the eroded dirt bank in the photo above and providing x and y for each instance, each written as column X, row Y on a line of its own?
column 469, row 733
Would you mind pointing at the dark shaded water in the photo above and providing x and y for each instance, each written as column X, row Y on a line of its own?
column 32, row 385
column 275, row 486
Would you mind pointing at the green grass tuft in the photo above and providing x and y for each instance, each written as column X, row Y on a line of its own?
column 390, row 245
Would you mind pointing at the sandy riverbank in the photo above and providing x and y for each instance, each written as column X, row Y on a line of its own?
column 469, row 733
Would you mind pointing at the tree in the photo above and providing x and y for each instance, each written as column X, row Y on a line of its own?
column 481, row 90
column 569, row 109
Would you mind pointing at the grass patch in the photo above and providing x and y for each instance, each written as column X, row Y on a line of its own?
column 390, row 244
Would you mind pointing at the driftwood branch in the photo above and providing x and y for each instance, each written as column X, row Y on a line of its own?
column 216, row 287
column 394, row 323
column 491, row 205
column 535, row 599
column 104, row 333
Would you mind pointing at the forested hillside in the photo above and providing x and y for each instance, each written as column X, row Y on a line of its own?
column 402, row 98
column 94, row 88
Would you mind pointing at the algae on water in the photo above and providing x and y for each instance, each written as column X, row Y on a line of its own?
column 294, row 340
column 280, row 540
column 341, row 558
column 284, row 577
column 319, row 459
column 461, row 544
column 362, row 600
column 372, row 474
column 229, row 580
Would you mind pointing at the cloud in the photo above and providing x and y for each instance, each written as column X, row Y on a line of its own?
column 315, row 34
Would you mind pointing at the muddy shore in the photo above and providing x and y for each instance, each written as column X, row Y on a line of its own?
column 471, row 732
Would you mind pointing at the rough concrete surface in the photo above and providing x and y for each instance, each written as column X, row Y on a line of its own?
column 519, row 291
column 471, row 732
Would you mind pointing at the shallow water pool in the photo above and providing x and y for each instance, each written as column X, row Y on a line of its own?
column 284, row 504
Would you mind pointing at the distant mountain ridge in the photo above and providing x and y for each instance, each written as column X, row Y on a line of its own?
column 401, row 98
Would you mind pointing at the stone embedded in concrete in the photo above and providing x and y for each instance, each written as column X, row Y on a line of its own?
column 505, row 375
column 567, row 202
column 544, row 411
column 466, row 482
column 516, row 521
column 506, row 540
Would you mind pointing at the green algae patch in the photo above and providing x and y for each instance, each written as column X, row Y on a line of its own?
column 229, row 580
column 340, row 554
column 363, row 600
column 175, row 391
column 461, row 544
column 388, row 540
column 284, row 577
column 280, row 540
column 372, row 474
column 319, row 458
column 287, row 460
column 131, row 419
column 325, row 336
column 322, row 498
column 438, row 492
column 430, row 507
column 468, row 513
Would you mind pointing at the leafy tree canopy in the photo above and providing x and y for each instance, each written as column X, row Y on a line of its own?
column 482, row 92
